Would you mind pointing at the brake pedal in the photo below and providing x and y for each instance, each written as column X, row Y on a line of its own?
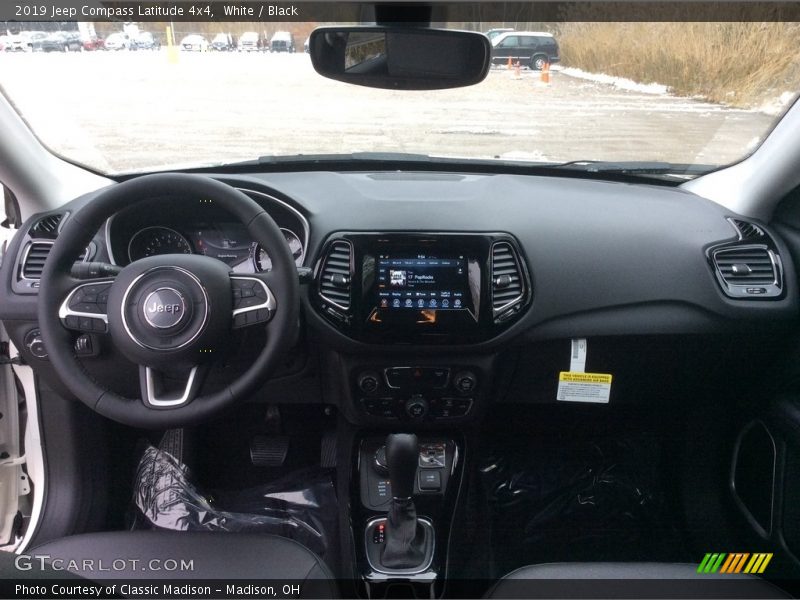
column 269, row 451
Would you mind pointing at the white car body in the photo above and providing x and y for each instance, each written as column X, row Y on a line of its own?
column 194, row 43
column 248, row 42
column 118, row 41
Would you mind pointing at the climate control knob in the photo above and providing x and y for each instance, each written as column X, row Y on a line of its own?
column 417, row 407
column 368, row 382
column 465, row 382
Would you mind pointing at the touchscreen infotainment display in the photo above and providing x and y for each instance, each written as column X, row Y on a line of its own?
column 422, row 282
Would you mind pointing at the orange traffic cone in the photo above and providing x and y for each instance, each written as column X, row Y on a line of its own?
column 509, row 64
column 545, row 77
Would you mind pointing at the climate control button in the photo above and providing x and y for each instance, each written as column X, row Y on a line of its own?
column 465, row 382
column 417, row 407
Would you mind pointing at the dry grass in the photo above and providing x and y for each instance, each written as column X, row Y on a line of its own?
column 741, row 64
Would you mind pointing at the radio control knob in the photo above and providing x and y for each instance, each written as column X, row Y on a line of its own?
column 465, row 382
column 368, row 382
column 417, row 407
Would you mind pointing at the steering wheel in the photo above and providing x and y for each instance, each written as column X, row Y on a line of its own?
column 167, row 313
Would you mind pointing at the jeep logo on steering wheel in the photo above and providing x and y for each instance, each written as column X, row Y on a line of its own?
column 164, row 308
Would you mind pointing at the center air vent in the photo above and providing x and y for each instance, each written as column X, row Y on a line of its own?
column 748, row 271
column 33, row 259
column 335, row 280
column 508, row 285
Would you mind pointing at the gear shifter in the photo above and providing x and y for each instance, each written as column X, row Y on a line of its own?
column 405, row 539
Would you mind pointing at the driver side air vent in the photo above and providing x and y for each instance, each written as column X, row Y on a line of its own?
column 47, row 226
column 508, row 289
column 34, row 258
column 335, row 278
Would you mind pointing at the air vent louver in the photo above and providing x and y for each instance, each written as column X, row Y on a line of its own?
column 749, row 271
column 33, row 261
column 335, row 278
column 507, row 284
column 47, row 226
column 747, row 230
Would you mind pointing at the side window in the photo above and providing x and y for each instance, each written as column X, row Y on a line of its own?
column 530, row 41
column 510, row 42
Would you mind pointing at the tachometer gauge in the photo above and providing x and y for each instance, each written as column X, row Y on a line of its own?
column 263, row 262
column 157, row 240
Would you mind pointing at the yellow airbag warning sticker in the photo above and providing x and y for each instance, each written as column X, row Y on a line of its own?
column 583, row 387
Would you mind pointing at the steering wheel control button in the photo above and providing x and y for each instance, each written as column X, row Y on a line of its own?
column 253, row 302
column 165, row 308
column 85, row 307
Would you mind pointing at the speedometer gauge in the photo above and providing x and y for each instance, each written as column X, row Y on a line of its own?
column 263, row 262
column 157, row 240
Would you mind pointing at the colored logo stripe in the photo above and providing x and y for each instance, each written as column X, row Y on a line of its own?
column 735, row 562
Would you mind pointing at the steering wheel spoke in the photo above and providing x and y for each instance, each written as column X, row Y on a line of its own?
column 159, row 391
column 85, row 307
column 253, row 300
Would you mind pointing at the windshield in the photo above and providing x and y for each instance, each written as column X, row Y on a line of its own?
column 698, row 94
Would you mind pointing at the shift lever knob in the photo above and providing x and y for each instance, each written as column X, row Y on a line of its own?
column 402, row 455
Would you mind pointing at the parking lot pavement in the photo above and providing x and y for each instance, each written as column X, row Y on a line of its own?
column 122, row 111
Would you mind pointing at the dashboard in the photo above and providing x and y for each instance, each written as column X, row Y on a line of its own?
column 422, row 292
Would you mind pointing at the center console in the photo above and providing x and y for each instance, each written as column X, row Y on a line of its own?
column 404, row 493
column 421, row 288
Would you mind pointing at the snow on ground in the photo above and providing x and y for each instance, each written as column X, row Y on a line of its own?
column 776, row 106
column 618, row 82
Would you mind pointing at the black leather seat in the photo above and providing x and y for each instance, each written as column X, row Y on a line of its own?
column 222, row 556
column 628, row 580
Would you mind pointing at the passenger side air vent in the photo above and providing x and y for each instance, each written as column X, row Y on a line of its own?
column 33, row 259
column 508, row 284
column 335, row 279
column 747, row 230
column 749, row 271
column 47, row 226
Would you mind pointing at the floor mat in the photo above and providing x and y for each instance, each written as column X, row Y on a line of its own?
column 221, row 448
column 595, row 499
column 301, row 505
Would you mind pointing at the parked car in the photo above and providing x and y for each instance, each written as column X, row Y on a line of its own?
column 146, row 41
column 493, row 33
column 305, row 45
column 222, row 42
column 249, row 42
column 194, row 43
column 59, row 41
column 24, row 41
column 93, row 42
column 118, row 41
column 282, row 41
column 533, row 49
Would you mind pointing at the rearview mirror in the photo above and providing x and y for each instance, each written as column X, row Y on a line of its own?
column 400, row 57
